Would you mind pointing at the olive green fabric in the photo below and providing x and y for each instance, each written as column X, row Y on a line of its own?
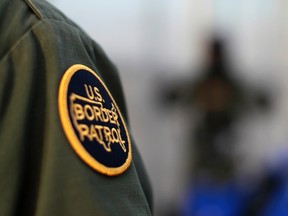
column 40, row 173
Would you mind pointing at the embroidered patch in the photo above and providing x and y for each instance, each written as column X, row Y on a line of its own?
column 92, row 121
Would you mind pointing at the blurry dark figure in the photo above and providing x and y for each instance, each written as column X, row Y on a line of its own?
column 220, row 100
column 217, row 96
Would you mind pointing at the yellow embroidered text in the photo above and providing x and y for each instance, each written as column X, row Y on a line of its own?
column 95, row 122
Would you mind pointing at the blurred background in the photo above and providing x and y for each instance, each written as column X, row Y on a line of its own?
column 165, row 52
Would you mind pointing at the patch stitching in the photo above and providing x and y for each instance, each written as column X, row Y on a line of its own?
column 67, row 124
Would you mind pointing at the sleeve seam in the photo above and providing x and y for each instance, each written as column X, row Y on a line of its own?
column 13, row 47
column 34, row 9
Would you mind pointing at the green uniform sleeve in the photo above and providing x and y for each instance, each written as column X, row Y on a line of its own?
column 40, row 173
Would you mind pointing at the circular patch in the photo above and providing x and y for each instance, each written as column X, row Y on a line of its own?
column 92, row 121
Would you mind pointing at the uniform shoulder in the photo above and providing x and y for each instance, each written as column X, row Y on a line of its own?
column 15, row 20
column 19, row 17
column 44, row 10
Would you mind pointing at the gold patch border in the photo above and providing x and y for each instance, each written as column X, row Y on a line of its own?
column 69, row 130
